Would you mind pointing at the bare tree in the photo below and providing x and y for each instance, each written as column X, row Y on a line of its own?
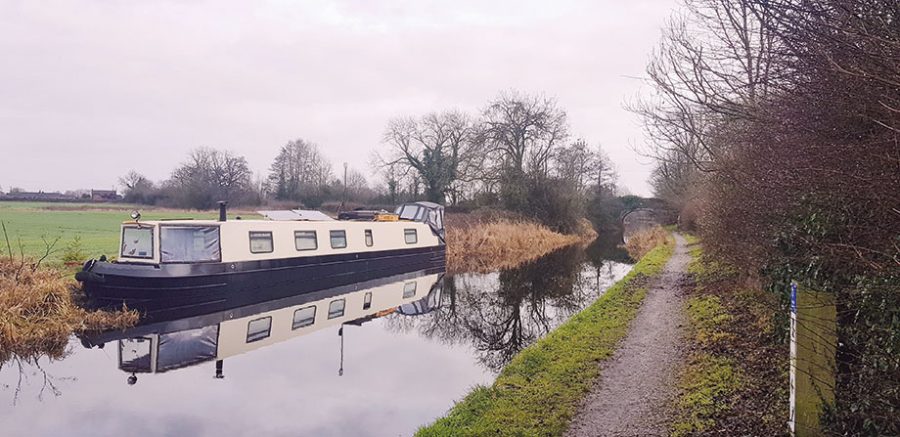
column 210, row 175
column 137, row 188
column 525, row 130
column 714, row 63
column 439, row 147
column 300, row 172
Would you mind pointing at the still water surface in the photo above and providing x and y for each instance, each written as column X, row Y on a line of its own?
column 398, row 365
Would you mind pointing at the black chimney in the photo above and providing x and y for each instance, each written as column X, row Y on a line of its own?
column 222, row 204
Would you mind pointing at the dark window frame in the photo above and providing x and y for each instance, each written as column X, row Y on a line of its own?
column 294, row 324
column 412, row 293
column 343, row 309
column 162, row 243
column 415, row 234
column 271, row 240
column 367, row 300
column 152, row 242
column 268, row 331
column 331, row 238
column 315, row 239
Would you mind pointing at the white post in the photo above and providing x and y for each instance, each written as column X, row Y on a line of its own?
column 792, row 418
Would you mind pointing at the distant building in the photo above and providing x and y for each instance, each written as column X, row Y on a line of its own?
column 104, row 196
column 39, row 196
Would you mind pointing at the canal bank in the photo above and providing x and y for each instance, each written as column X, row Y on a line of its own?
column 734, row 379
column 541, row 389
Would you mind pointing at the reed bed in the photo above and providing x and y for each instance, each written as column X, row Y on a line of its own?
column 644, row 240
column 488, row 243
column 39, row 311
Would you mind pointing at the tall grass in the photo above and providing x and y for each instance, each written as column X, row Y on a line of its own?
column 39, row 311
column 643, row 241
column 493, row 243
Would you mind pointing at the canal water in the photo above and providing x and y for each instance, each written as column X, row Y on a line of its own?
column 380, row 358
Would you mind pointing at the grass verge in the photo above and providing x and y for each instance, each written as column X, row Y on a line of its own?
column 735, row 379
column 538, row 392
column 39, row 311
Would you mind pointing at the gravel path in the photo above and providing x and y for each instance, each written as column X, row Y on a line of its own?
column 632, row 395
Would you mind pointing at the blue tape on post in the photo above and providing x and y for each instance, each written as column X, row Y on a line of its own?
column 794, row 297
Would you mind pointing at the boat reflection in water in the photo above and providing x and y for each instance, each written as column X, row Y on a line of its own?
column 173, row 340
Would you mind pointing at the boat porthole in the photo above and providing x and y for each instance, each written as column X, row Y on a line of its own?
column 232, row 267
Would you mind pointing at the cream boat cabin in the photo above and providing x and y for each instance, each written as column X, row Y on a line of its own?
column 221, row 263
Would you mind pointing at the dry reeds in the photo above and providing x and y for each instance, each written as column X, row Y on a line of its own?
column 644, row 240
column 38, row 311
column 485, row 244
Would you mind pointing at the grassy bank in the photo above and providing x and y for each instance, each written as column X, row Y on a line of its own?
column 39, row 311
column 538, row 392
column 735, row 379
column 477, row 243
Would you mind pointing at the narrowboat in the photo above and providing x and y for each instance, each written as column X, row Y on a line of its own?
column 175, row 343
column 218, row 264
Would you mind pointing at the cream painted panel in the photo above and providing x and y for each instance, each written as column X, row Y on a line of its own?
column 233, row 333
column 235, row 237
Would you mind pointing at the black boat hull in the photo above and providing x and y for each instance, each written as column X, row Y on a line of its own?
column 151, row 288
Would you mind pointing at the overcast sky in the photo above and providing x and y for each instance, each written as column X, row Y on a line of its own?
column 90, row 90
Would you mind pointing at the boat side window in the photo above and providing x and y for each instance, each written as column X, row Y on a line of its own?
column 305, row 240
column 409, row 290
column 261, row 242
column 336, row 308
column 304, row 317
column 338, row 239
column 367, row 301
column 419, row 214
column 410, row 236
column 137, row 242
column 369, row 240
column 259, row 329
column 179, row 244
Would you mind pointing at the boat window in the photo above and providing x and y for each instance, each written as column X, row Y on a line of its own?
column 367, row 301
column 410, row 236
column 336, row 308
column 137, row 242
column 369, row 240
column 305, row 240
column 419, row 214
column 134, row 354
column 409, row 290
column 189, row 244
column 261, row 242
column 304, row 317
column 409, row 212
column 259, row 329
column 338, row 239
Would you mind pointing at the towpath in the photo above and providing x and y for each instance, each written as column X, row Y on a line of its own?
column 633, row 394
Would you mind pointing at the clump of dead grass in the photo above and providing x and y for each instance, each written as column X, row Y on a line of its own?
column 39, row 311
column 644, row 240
column 487, row 243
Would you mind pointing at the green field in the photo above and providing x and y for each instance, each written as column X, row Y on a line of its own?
column 28, row 224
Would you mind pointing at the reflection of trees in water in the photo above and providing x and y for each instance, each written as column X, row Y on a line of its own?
column 28, row 368
column 502, row 313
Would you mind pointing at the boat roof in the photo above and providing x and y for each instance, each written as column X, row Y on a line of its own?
column 295, row 214
column 428, row 204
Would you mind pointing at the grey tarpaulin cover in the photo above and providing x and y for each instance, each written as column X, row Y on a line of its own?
column 189, row 243
column 183, row 348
